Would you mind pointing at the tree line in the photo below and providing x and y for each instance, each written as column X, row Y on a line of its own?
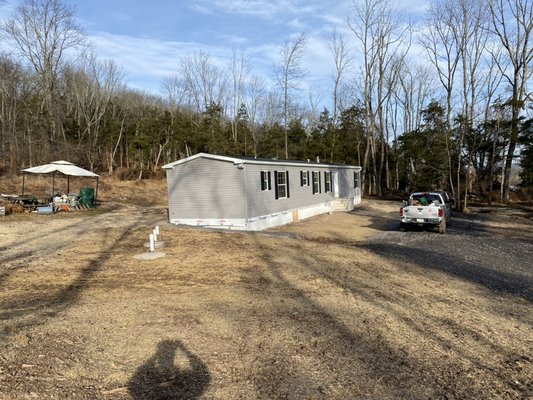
column 442, row 104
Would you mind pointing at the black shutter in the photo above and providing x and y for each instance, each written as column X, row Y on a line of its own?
column 287, row 182
column 313, row 182
column 269, row 182
column 276, row 184
column 307, row 172
column 263, row 180
column 319, row 183
column 302, row 178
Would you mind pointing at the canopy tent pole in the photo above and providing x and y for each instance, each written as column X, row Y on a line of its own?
column 53, row 184
column 23, row 175
column 96, row 191
column 68, row 184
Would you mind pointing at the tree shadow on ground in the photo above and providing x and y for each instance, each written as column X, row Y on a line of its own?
column 472, row 249
column 159, row 377
column 278, row 378
column 495, row 277
column 392, row 371
column 35, row 308
column 380, row 220
column 12, row 256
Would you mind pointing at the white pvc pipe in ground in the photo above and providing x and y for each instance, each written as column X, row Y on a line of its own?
column 152, row 244
column 157, row 229
column 155, row 235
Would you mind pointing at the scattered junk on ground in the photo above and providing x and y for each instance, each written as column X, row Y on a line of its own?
column 54, row 201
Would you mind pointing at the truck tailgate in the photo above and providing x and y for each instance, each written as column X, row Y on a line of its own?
column 421, row 214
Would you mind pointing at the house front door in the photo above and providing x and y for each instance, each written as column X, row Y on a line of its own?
column 335, row 184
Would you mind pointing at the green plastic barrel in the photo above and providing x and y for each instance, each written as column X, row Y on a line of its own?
column 87, row 196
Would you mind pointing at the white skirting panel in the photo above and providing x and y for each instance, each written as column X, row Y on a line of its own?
column 307, row 212
column 265, row 221
column 237, row 224
column 286, row 217
column 269, row 221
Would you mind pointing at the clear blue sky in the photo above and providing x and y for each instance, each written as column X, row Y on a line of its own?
column 147, row 38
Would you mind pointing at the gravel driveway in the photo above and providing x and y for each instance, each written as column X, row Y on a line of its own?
column 491, row 246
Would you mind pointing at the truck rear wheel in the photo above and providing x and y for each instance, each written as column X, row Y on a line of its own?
column 442, row 226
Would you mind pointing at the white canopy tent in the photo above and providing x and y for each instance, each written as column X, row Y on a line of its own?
column 62, row 167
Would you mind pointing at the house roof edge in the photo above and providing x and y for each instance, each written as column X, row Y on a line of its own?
column 246, row 160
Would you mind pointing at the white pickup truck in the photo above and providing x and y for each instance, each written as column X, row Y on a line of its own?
column 433, row 209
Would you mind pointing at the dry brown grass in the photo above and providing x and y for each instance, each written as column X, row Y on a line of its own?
column 146, row 192
column 303, row 312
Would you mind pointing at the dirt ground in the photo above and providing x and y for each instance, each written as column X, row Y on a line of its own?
column 341, row 306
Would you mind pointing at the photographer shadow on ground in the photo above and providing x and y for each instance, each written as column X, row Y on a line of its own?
column 161, row 378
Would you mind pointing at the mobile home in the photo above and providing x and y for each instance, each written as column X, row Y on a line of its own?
column 252, row 194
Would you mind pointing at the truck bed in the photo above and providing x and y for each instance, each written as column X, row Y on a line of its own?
column 425, row 208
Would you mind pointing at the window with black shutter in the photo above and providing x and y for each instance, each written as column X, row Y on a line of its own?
column 327, row 181
column 287, row 184
column 276, row 193
column 264, row 180
column 281, row 184
column 316, row 182
column 304, row 178
column 355, row 179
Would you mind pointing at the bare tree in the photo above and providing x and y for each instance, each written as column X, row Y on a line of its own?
column 255, row 93
column 472, row 23
column 379, row 33
column 412, row 89
column 512, row 24
column 366, row 17
column 444, row 46
column 491, row 83
column 339, row 51
column 271, row 110
column 93, row 84
column 205, row 82
column 174, row 90
column 12, row 83
column 311, row 113
column 42, row 32
column 473, row 18
column 288, row 73
column 239, row 68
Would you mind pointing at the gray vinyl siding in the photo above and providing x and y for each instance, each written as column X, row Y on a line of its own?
column 261, row 202
column 346, row 183
column 206, row 189
column 224, row 188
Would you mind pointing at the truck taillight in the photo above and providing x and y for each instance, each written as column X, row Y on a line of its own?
column 401, row 212
column 441, row 213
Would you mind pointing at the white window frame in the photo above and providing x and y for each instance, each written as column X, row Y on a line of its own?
column 282, row 185
column 316, row 174
column 327, row 181
column 265, row 181
column 304, row 178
